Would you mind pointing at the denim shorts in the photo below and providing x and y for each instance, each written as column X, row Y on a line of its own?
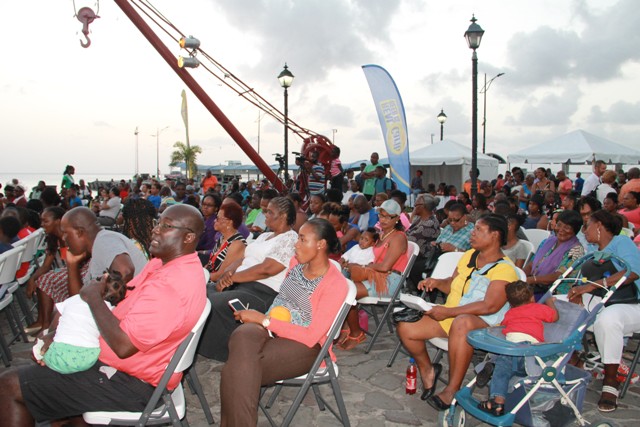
column 393, row 281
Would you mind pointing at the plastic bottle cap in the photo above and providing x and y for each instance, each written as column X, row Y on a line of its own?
column 412, row 360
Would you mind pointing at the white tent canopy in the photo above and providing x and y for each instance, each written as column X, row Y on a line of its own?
column 450, row 162
column 577, row 147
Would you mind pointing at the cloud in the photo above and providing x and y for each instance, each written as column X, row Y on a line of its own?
column 551, row 109
column 314, row 36
column 336, row 115
column 103, row 124
column 621, row 112
column 608, row 40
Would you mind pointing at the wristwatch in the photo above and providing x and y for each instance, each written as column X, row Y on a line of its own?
column 266, row 322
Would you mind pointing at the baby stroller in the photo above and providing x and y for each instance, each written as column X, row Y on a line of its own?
column 552, row 389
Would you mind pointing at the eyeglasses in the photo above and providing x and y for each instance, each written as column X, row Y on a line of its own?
column 385, row 216
column 166, row 227
column 209, row 205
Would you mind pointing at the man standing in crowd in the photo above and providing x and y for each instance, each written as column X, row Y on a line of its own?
column 594, row 179
column 369, row 176
column 209, row 182
column 633, row 183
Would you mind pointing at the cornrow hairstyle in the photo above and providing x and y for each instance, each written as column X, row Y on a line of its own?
column 285, row 206
column 138, row 215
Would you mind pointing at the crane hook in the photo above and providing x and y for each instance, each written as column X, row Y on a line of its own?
column 86, row 15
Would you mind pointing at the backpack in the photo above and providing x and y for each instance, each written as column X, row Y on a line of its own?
column 594, row 193
column 394, row 186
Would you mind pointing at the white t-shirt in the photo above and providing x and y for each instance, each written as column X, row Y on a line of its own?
column 77, row 325
column 357, row 255
column 279, row 248
column 590, row 184
column 114, row 208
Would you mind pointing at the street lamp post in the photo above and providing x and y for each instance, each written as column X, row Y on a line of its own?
column 474, row 36
column 484, row 90
column 442, row 117
column 157, row 135
column 286, row 79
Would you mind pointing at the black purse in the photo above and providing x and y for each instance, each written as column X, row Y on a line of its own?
column 600, row 267
column 407, row 314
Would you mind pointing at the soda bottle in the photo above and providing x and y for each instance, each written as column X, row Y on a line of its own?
column 412, row 377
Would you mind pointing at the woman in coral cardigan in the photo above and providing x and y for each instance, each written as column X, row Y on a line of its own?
column 276, row 346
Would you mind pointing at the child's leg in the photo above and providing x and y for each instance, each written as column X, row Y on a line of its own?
column 502, row 372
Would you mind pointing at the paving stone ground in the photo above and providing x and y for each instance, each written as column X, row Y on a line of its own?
column 374, row 394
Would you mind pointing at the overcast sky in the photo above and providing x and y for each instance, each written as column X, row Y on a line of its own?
column 568, row 65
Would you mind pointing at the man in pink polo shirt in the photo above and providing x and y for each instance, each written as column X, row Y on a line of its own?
column 138, row 338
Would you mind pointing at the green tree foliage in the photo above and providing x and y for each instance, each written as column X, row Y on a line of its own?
column 186, row 154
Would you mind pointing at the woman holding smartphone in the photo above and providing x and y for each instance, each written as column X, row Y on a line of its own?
column 312, row 293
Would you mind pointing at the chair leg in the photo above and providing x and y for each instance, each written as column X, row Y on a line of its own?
column 396, row 350
column 337, row 394
column 264, row 410
column 24, row 307
column 194, row 383
column 385, row 319
column 274, row 396
column 318, row 396
column 5, row 351
column 632, row 369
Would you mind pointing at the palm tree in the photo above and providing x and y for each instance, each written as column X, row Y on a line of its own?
column 188, row 155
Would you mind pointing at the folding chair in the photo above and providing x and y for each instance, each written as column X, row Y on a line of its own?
column 174, row 408
column 532, row 252
column 30, row 244
column 536, row 236
column 389, row 301
column 317, row 375
column 446, row 266
column 9, row 264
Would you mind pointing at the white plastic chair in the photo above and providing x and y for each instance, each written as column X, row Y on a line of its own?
column 445, row 267
column 536, row 236
column 174, row 408
column 389, row 301
column 318, row 375
column 9, row 264
column 532, row 252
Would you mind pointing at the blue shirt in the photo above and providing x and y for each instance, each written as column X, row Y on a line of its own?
column 623, row 247
column 155, row 201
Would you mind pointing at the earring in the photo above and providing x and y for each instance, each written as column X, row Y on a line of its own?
column 598, row 234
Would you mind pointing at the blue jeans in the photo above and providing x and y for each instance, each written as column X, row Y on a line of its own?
column 505, row 367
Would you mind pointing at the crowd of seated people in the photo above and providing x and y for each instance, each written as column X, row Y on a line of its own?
column 261, row 247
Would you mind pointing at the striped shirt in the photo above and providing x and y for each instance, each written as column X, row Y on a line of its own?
column 295, row 295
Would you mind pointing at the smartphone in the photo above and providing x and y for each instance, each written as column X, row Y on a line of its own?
column 236, row 305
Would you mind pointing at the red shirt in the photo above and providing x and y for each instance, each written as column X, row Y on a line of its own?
column 527, row 319
column 208, row 183
column 157, row 315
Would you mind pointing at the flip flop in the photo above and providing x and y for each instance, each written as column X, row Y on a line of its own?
column 428, row 392
column 492, row 407
column 352, row 342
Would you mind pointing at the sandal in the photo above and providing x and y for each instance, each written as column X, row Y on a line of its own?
column 352, row 342
column 606, row 404
column 344, row 333
column 492, row 407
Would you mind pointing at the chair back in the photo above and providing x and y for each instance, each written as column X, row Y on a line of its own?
column 30, row 243
column 191, row 342
column 9, row 264
column 536, row 236
column 532, row 250
column 447, row 264
column 349, row 301
column 521, row 274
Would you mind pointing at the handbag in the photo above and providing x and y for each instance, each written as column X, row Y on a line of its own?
column 601, row 267
column 409, row 315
